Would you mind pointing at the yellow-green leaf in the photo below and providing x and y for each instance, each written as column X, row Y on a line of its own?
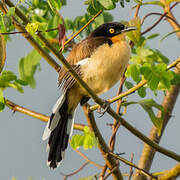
column 135, row 36
column 32, row 27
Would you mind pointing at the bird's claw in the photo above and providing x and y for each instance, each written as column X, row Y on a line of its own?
column 105, row 107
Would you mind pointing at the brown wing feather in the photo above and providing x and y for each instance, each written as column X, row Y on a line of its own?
column 80, row 51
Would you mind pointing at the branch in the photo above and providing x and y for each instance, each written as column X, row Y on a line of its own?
column 158, row 14
column 137, row 10
column 34, row 43
column 167, row 9
column 131, row 168
column 111, row 172
column 88, row 160
column 66, row 65
column 115, row 126
column 148, row 153
column 133, row 89
column 14, row 107
column 132, row 165
column 171, row 174
column 110, row 161
column 166, row 14
column 77, row 33
column 99, row 101
column 75, row 172
column 44, row 40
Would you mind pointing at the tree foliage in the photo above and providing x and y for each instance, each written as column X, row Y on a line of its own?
column 146, row 64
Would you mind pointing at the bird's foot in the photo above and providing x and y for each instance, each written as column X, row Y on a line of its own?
column 102, row 110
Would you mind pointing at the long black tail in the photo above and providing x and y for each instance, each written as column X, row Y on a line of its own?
column 60, row 126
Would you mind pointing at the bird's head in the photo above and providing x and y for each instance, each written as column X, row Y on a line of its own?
column 112, row 30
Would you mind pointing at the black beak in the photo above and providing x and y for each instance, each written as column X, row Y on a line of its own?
column 127, row 29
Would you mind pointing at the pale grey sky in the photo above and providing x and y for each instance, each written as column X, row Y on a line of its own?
column 23, row 153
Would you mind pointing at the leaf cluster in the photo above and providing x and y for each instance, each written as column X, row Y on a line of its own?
column 87, row 140
column 149, row 64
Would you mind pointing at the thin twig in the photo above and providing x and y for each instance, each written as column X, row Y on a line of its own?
column 111, row 172
column 159, row 20
column 131, row 168
column 75, row 172
column 158, row 14
column 87, row 24
column 88, row 160
column 101, row 176
column 137, row 10
column 133, row 165
column 58, row 55
column 25, row 32
column 35, row 44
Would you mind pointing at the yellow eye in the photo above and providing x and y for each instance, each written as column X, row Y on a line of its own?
column 111, row 30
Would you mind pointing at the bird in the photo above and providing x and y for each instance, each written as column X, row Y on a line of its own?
column 100, row 60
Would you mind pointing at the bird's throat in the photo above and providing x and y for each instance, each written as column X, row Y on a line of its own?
column 118, row 38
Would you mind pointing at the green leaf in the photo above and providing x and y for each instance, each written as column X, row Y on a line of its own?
column 99, row 20
column 21, row 82
column 170, row 1
column 122, row 3
column 176, row 79
column 7, row 76
column 107, row 17
column 76, row 141
column 2, row 52
column 53, row 23
column 152, row 36
column 94, row 7
column 28, row 66
column 153, row 83
column 17, row 86
column 2, row 23
column 11, row 11
column 68, row 23
column 135, row 74
column 161, row 57
column 142, row 92
column 54, row 4
column 135, row 36
column 128, row 84
column 2, row 102
column 32, row 27
column 107, row 4
column 158, row 3
column 148, row 105
column 87, row 140
column 167, row 35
